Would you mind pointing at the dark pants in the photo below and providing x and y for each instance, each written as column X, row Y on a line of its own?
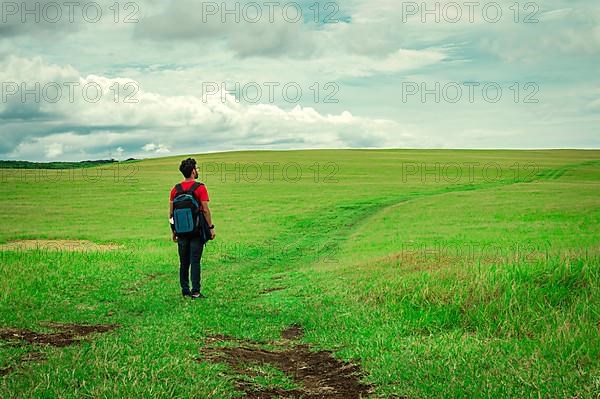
column 190, row 252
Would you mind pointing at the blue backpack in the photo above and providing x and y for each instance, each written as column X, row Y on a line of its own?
column 186, row 210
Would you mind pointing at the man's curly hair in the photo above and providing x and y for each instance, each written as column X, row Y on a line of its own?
column 187, row 166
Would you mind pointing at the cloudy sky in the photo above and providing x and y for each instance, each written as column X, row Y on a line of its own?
column 100, row 79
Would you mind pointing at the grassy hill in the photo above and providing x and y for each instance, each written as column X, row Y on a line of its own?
column 439, row 273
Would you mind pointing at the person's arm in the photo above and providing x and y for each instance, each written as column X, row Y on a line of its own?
column 174, row 236
column 208, row 217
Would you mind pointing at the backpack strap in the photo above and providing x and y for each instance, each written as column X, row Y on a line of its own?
column 194, row 187
column 179, row 189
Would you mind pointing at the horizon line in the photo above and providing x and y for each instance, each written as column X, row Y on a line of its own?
column 319, row 149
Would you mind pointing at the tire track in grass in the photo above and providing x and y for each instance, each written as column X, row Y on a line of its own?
column 330, row 232
column 306, row 242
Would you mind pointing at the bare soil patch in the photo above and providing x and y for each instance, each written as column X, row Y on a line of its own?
column 67, row 334
column 57, row 245
column 318, row 374
column 293, row 332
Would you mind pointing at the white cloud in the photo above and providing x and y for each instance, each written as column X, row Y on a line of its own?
column 245, row 34
column 160, row 124
column 400, row 60
column 54, row 150
column 156, row 148
column 149, row 147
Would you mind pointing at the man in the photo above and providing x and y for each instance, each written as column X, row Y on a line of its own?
column 190, row 247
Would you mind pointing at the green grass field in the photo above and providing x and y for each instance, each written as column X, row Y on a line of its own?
column 455, row 274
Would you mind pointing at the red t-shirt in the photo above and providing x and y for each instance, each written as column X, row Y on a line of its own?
column 201, row 194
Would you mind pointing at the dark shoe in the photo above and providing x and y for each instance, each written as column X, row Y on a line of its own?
column 186, row 294
column 198, row 295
